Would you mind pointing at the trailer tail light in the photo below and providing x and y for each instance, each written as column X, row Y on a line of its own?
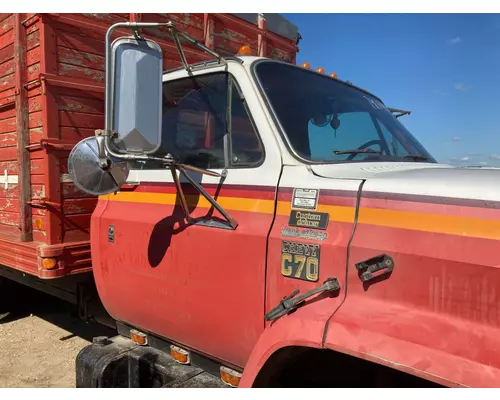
column 179, row 355
column 320, row 70
column 49, row 263
column 245, row 51
column 333, row 75
column 230, row 377
column 138, row 337
column 306, row 65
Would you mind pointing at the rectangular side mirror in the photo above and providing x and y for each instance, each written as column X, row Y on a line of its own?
column 136, row 92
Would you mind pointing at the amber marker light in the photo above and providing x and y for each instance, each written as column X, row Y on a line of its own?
column 230, row 377
column 138, row 337
column 179, row 355
column 49, row 263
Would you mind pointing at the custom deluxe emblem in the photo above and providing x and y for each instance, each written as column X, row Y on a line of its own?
column 301, row 233
column 306, row 199
column 309, row 219
column 300, row 260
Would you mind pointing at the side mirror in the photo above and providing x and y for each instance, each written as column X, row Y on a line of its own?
column 87, row 174
column 136, row 95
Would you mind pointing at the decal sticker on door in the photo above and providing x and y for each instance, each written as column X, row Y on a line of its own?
column 300, row 260
column 306, row 199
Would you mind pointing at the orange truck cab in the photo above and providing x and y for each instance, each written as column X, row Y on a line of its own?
column 261, row 224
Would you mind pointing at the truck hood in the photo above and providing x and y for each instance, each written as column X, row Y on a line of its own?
column 419, row 179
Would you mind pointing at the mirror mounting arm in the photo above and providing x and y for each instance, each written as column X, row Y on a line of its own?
column 173, row 166
column 231, row 221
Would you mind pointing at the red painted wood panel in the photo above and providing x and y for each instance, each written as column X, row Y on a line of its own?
column 6, row 38
column 70, row 191
column 7, row 53
column 7, row 24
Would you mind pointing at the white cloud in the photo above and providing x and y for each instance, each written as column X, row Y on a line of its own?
column 456, row 138
column 483, row 163
column 455, row 40
column 495, row 156
column 464, row 159
column 473, row 153
column 461, row 86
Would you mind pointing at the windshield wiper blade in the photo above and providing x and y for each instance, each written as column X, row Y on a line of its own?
column 416, row 157
column 358, row 151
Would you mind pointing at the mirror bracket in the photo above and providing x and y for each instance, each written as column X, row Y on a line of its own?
column 231, row 223
column 104, row 136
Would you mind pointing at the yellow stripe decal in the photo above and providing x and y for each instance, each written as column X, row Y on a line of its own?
column 455, row 225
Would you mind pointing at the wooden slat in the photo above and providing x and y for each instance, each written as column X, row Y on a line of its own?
column 33, row 72
column 81, row 120
column 7, row 53
column 70, row 191
column 76, row 134
column 7, row 24
column 75, row 104
column 80, row 58
column 7, row 82
column 7, row 68
column 33, row 40
column 33, row 56
column 78, row 206
column 8, row 124
column 6, row 39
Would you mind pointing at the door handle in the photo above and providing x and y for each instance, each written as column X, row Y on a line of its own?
column 375, row 267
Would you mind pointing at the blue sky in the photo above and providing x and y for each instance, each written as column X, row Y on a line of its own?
column 445, row 68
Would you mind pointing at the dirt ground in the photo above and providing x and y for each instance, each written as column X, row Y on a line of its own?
column 39, row 343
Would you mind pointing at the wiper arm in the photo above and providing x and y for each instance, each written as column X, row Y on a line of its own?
column 290, row 303
column 357, row 151
column 416, row 157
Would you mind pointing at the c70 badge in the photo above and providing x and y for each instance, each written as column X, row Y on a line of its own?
column 300, row 260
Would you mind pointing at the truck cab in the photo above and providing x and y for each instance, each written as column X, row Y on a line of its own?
column 285, row 223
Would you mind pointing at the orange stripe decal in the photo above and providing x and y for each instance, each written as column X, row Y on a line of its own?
column 438, row 223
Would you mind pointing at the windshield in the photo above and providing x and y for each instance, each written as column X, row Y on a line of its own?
column 325, row 120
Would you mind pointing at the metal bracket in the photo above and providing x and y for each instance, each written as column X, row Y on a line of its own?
column 233, row 224
column 54, row 144
column 43, row 203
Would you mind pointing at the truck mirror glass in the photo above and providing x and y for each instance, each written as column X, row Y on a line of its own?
column 87, row 174
column 136, row 108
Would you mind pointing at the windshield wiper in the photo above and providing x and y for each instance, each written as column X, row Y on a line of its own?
column 416, row 157
column 357, row 151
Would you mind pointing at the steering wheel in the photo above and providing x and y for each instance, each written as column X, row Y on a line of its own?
column 367, row 144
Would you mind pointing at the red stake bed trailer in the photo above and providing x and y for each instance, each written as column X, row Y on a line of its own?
column 51, row 97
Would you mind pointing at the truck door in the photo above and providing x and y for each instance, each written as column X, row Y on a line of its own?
column 308, row 245
column 200, row 285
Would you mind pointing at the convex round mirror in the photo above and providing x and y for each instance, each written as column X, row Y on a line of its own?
column 86, row 173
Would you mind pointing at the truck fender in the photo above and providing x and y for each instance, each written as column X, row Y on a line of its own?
column 297, row 329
